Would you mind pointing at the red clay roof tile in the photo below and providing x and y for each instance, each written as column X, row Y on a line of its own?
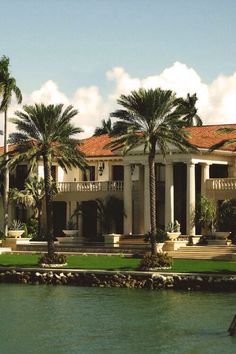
column 95, row 146
column 202, row 137
column 208, row 135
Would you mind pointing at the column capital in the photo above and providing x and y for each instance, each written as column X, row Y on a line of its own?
column 191, row 163
column 206, row 163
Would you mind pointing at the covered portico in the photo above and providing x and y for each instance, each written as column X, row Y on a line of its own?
column 181, row 174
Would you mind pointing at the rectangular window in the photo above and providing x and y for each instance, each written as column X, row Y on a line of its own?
column 117, row 173
column 21, row 175
column 89, row 174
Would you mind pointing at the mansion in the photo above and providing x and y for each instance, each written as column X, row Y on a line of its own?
column 180, row 178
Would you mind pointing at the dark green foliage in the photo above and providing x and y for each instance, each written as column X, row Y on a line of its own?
column 160, row 236
column 32, row 226
column 161, row 260
column 1, row 234
column 54, row 259
column 106, row 128
column 226, row 215
column 205, row 214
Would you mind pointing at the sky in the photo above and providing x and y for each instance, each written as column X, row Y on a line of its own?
column 89, row 52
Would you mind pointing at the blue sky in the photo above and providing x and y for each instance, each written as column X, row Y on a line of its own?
column 74, row 43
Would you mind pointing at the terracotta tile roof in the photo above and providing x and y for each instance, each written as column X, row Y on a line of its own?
column 10, row 147
column 207, row 135
column 202, row 137
column 95, row 146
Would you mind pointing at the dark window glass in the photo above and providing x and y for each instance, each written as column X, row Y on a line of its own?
column 117, row 173
column 21, row 175
column 89, row 174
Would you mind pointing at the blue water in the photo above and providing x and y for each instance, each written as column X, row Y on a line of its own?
column 73, row 320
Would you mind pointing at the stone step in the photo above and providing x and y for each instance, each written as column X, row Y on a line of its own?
column 5, row 250
column 206, row 252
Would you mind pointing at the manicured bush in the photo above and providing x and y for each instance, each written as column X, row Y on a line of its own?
column 55, row 259
column 161, row 260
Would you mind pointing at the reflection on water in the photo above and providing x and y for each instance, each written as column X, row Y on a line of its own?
column 73, row 320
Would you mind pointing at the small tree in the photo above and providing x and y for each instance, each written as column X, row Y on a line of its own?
column 32, row 196
column 205, row 214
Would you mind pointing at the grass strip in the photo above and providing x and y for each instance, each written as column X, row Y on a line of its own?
column 121, row 263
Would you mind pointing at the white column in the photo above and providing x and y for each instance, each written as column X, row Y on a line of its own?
column 146, row 192
column 141, row 199
column 169, row 193
column 205, row 174
column 127, row 200
column 190, row 208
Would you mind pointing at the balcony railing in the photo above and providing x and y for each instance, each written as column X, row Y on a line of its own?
column 219, row 184
column 91, row 186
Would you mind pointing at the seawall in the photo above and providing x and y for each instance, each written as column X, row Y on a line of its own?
column 118, row 279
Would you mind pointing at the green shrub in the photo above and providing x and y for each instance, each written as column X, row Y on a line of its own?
column 16, row 225
column 32, row 226
column 1, row 234
column 160, row 236
column 55, row 259
column 161, row 260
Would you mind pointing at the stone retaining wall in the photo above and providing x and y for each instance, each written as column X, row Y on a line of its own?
column 119, row 279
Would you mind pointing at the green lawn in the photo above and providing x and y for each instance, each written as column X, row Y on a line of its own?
column 120, row 263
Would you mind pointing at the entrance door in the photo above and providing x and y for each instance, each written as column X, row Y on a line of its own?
column 59, row 218
column 89, row 219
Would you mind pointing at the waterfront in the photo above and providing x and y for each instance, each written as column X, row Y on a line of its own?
column 73, row 320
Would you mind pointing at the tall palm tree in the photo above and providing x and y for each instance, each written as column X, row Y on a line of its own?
column 106, row 128
column 153, row 118
column 46, row 133
column 7, row 88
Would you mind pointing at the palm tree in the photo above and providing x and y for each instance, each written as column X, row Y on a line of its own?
column 32, row 195
column 153, row 118
column 7, row 88
column 187, row 108
column 106, row 128
column 45, row 133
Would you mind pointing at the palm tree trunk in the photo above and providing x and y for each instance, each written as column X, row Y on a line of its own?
column 152, row 186
column 6, row 177
column 49, row 211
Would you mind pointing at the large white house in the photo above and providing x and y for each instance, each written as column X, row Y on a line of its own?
column 180, row 177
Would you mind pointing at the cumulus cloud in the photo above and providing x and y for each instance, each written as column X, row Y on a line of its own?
column 48, row 93
column 216, row 101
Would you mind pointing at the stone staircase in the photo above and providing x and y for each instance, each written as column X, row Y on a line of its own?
column 206, row 252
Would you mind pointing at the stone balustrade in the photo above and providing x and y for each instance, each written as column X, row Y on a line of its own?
column 221, row 184
column 90, row 186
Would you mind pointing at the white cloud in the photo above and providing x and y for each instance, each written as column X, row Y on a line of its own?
column 48, row 94
column 216, row 101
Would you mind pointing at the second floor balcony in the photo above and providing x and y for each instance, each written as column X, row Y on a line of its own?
column 221, row 184
column 90, row 186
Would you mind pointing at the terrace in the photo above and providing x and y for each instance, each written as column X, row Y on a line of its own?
column 91, row 186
